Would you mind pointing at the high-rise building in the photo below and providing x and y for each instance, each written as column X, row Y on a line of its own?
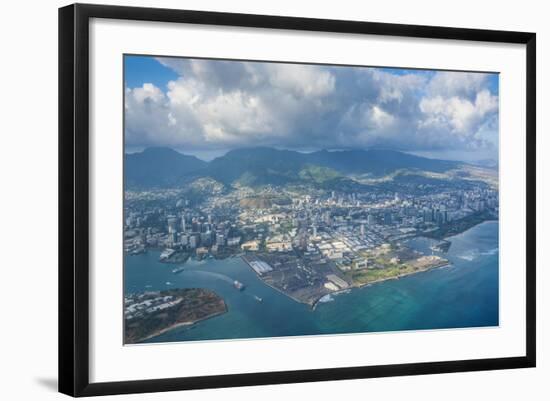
column 172, row 238
column 193, row 241
column 371, row 219
column 427, row 215
column 233, row 241
column 183, row 227
column 439, row 217
column 206, row 238
column 171, row 224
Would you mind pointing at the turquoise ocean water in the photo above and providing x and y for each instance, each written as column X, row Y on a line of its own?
column 464, row 294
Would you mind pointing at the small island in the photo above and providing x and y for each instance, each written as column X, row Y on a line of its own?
column 149, row 314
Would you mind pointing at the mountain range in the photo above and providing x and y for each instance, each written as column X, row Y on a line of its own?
column 164, row 167
column 159, row 167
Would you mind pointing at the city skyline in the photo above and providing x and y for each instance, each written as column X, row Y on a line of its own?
column 208, row 107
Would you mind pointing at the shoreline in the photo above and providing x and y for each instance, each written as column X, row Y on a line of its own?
column 176, row 325
column 448, row 264
column 469, row 228
column 399, row 276
column 243, row 258
column 449, row 235
column 314, row 304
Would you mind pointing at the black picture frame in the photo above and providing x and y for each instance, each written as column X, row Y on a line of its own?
column 74, row 198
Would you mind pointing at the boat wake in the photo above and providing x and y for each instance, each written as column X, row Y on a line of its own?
column 470, row 256
column 326, row 298
column 218, row 276
column 490, row 252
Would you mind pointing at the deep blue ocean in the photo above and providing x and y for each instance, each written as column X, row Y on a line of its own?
column 464, row 294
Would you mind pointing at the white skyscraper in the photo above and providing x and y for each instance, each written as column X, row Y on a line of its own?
column 172, row 221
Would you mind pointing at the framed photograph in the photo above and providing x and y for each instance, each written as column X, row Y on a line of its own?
column 250, row 199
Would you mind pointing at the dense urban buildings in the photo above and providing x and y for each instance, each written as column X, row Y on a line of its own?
column 306, row 240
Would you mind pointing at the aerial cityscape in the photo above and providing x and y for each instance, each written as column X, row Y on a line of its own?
column 270, row 199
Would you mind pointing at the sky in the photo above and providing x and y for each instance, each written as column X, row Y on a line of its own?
column 207, row 107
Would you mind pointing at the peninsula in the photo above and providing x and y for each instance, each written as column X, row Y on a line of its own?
column 307, row 278
column 151, row 313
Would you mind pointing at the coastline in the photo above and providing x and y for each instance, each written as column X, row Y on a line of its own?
column 469, row 223
column 243, row 258
column 359, row 286
column 469, row 228
column 347, row 309
column 175, row 326
column 381, row 280
column 313, row 304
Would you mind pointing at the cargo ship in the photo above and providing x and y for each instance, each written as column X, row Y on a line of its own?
column 238, row 285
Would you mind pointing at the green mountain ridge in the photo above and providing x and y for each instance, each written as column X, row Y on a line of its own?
column 158, row 167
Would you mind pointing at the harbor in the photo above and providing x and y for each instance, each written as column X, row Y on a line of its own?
column 384, row 306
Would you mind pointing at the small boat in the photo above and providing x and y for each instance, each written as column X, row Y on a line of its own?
column 178, row 270
column 257, row 298
column 238, row 285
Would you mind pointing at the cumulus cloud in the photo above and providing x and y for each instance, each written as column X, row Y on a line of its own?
column 460, row 114
column 225, row 104
column 302, row 81
column 453, row 83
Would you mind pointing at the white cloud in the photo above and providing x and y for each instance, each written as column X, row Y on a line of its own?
column 396, row 87
column 462, row 115
column 464, row 84
column 229, row 115
column 367, row 118
column 223, row 104
column 152, row 119
column 186, row 92
column 381, row 118
column 147, row 92
column 301, row 80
